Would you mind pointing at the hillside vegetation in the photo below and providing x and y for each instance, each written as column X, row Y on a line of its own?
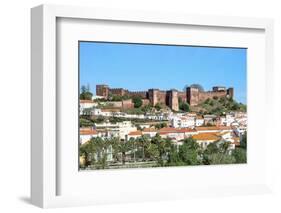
column 219, row 106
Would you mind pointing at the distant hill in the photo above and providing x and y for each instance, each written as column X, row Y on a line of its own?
column 218, row 106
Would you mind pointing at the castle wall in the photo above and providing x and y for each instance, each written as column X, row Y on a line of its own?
column 142, row 94
column 192, row 95
column 211, row 94
column 162, row 97
column 182, row 95
column 102, row 90
column 127, row 104
column 117, row 91
column 173, row 100
column 145, row 102
column 170, row 98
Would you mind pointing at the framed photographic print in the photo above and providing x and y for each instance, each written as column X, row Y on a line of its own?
column 149, row 106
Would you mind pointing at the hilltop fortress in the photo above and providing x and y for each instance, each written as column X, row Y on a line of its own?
column 193, row 96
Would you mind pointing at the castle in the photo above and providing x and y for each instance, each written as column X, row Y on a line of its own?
column 193, row 96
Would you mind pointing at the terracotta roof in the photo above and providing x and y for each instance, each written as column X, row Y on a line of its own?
column 186, row 130
column 176, row 130
column 88, row 131
column 205, row 128
column 86, row 101
column 135, row 133
column 206, row 136
column 167, row 129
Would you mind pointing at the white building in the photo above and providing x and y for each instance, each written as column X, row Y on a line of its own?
column 183, row 122
column 199, row 121
column 86, row 104
column 134, row 135
column 87, row 134
column 204, row 139
column 151, row 132
column 120, row 129
column 227, row 120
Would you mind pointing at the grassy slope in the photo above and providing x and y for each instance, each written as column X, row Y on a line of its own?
column 219, row 106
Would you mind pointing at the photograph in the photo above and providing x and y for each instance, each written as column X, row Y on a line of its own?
column 161, row 105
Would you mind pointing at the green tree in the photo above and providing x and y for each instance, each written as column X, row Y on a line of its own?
column 137, row 101
column 163, row 146
column 243, row 142
column 114, row 142
column 189, row 152
column 158, row 106
column 85, row 93
column 116, row 98
column 160, row 125
column 143, row 143
column 124, row 147
column 221, row 158
column 147, row 108
column 85, row 122
column 184, row 106
column 240, row 155
column 173, row 157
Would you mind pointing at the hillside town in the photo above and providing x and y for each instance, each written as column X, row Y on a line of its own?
column 124, row 129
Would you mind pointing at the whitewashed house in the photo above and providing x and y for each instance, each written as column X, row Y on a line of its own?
column 183, row 122
column 86, row 104
column 87, row 134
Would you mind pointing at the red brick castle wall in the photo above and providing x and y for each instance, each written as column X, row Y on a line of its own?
column 170, row 97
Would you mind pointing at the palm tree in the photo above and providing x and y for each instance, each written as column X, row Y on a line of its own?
column 132, row 143
column 164, row 147
column 143, row 142
column 100, row 146
column 124, row 147
column 114, row 142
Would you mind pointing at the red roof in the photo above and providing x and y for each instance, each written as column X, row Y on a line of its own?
column 135, row 133
column 203, row 128
column 175, row 130
column 86, row 101
column 206, row 137
column 88, row 131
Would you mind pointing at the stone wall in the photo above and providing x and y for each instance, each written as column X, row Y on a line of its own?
column 127, row 104
column 170, row 98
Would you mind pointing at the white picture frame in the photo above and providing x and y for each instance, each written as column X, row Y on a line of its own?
column 45, row 178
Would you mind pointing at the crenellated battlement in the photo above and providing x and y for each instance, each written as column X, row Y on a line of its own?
column 168, row 97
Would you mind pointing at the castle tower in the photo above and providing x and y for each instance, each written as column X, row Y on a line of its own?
column 102, row 90
column 192, row 96
column 173, row 100
column 230, row 92
column 153, row 96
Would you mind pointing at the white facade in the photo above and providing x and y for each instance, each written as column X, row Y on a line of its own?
column 183, row 122
column 86, row 104
column 199, row 122
column 120, row 129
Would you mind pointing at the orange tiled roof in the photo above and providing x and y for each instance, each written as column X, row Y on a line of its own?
column 135, row 133
column 206, row 136
column 186, row 130
column 167, row 129
column 86, row 101
column 176, row 130
column 203, row 128
column 88, row 131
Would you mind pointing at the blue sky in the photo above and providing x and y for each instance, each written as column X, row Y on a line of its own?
column 140, row 67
